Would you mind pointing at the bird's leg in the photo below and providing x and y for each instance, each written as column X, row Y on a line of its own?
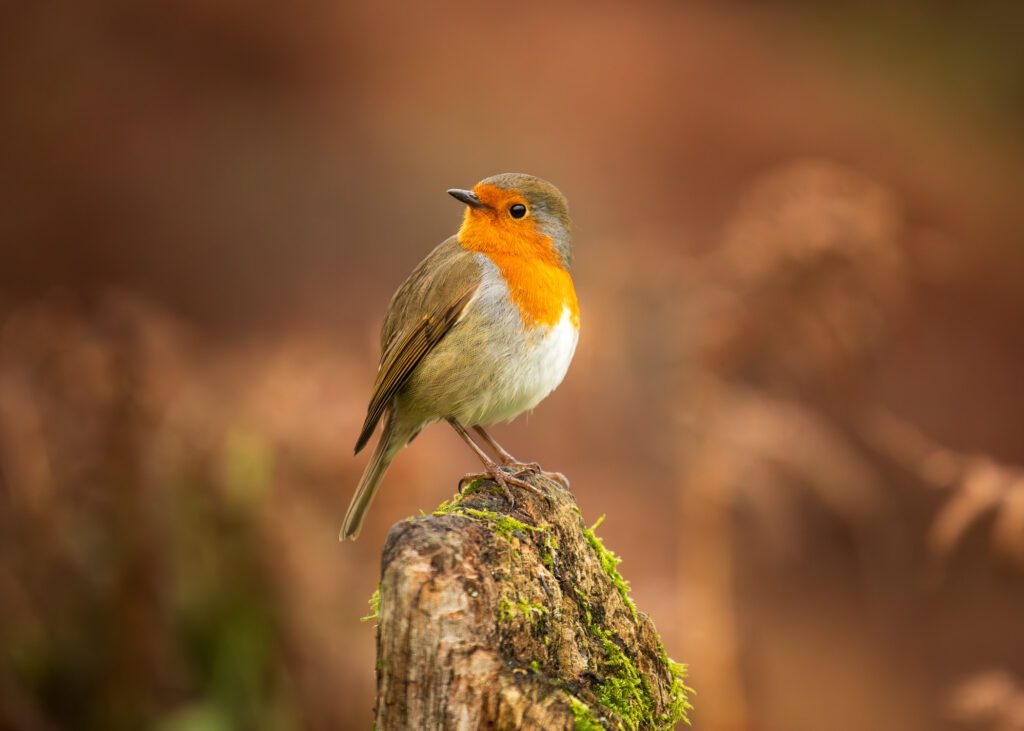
column 492, row 469
column 506, row 459
column 520, row 468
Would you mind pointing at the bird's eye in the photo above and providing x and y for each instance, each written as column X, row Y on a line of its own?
column 517, row 211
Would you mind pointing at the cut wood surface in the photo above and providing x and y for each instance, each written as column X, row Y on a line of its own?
column 491, row 618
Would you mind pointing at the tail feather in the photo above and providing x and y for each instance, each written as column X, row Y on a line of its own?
column 386, row 449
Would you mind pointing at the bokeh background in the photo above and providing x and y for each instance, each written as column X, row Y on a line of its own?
column 798, row 394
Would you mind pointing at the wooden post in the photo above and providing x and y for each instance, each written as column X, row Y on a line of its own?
column 490, row 618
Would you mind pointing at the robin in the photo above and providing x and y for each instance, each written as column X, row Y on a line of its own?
column 481, row 331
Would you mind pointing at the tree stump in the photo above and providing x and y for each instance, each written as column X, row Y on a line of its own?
column 515, row 619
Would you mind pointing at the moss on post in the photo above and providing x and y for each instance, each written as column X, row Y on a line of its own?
column 515, row 619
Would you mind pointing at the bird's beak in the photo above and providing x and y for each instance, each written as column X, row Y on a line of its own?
column 468, row 197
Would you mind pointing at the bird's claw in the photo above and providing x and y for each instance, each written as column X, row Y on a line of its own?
column 534, row 468
column 504, row 480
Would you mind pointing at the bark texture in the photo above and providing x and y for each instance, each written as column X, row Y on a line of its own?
column 491, row 618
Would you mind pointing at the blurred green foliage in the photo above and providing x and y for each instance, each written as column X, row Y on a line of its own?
column 961, row 60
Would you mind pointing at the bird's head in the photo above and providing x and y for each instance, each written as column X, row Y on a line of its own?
column 516, row 214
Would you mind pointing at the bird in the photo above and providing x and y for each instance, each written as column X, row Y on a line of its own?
column 482, row 331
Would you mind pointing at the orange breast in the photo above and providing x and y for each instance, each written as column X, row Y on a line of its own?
column 537, row 281
column 541, row 291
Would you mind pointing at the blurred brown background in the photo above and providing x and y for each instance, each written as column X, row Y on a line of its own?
column 797, row 395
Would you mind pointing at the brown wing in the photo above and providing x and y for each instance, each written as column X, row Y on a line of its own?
column 424, row 309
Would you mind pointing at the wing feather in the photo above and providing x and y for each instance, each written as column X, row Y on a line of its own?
column 423, row 311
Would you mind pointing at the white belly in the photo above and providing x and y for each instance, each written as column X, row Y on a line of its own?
column 491, row 367
column 522, row 381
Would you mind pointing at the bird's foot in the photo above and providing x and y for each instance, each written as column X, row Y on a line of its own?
column 534, row 468
column 504, row 480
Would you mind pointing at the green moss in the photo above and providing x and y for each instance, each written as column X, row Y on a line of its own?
column 531, row 610
column 503, row 525
column 609, row 562
column 585, row 720
column 374, row 603
column 448, row 507
column 626, row 691
column 680, row 706
column 550, row 550
column 585, row 606
column 507, row 610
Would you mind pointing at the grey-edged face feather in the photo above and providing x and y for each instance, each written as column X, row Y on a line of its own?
column 547, row 204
